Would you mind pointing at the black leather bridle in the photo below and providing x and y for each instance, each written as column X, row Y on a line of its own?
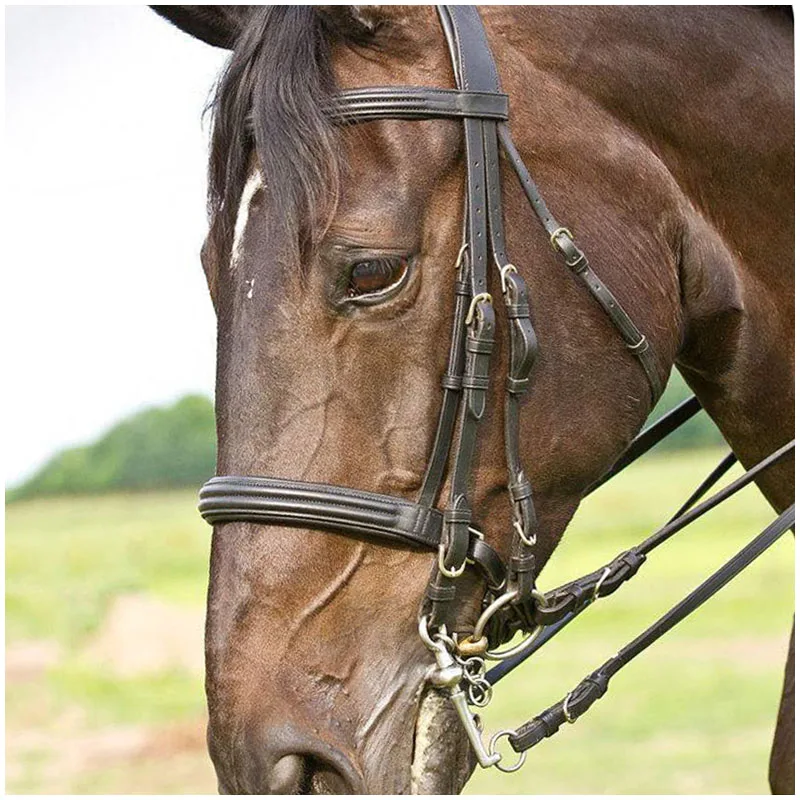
column 483, row 108
column 512, row 602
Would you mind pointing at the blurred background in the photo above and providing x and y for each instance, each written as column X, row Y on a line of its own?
column 109, row 431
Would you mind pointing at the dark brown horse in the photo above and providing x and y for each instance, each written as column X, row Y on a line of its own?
column 662, row 136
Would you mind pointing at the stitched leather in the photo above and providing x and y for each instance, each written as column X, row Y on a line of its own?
column 272, row 501
column 414, row 102
column 282, row 502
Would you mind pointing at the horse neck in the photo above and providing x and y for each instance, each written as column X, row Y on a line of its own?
column 696, row 86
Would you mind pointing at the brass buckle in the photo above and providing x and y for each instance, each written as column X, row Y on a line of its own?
column 482, row 297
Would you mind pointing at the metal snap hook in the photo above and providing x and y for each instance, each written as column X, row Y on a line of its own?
column 425, row 635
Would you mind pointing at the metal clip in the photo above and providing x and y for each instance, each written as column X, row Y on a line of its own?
column 530, row 542
column 450, row 573
column 460, row 257
column 606, row 573
column 447, row 675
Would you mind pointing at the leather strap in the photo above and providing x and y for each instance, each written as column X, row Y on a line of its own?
column 474, row 71
column 415, row 102
column 563, row 242
column 594, row 685
column 451, row 384
column 271, row 501
column 564, row 604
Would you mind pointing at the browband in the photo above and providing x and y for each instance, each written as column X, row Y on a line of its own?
column 415, row 102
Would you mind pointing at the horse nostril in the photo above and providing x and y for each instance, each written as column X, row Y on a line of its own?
column 325, row 779
column 294, row 774
column 282, row 760
column 287, row 775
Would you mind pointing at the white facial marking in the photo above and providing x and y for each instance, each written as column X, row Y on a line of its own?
column 254, row 183
column 251, row 283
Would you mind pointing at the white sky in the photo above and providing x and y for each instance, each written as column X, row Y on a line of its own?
column 104, row 304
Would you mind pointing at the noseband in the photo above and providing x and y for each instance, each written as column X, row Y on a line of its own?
column 511, row 602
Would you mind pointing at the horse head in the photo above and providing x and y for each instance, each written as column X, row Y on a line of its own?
column 332, row 259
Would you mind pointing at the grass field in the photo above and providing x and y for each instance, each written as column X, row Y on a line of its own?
column 104, row 600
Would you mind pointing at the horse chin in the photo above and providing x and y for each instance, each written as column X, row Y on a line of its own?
column 443, row 759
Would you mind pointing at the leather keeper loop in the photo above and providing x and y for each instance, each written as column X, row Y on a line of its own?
column 439, row 593
column 573, row 256
column 475, row 382
column 517, row 385
column 451, row 381
column 483, row 346
column 463, row 289
column 523, row 563
column 457, row 515
column 520, row 490
column 578, row 264
column 518, row 311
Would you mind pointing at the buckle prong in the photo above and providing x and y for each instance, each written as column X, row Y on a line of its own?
column 482, row 297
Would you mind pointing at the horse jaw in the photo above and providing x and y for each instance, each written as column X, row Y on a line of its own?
column 443, row 760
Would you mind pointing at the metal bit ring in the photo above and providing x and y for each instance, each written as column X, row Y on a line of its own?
column 501, row 655
column 522, row 756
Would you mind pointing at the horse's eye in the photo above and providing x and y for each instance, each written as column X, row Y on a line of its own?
column 376, row 275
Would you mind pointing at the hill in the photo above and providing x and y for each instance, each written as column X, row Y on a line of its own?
column 156, row 448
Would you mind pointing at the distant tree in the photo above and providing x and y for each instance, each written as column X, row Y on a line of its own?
column 155, row 448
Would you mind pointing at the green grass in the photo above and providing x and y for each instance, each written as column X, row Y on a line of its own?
column 67, row 558
column 694, row 714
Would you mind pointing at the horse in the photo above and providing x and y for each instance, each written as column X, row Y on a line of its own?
column 662, row 136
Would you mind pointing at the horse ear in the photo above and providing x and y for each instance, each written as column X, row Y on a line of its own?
column 215, row 25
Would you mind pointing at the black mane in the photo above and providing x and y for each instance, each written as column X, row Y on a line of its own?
column 269, row 100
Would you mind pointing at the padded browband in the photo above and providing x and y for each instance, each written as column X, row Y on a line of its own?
column 414, row 102
column 273, row 501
